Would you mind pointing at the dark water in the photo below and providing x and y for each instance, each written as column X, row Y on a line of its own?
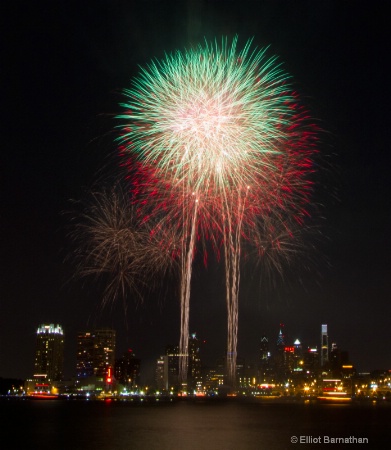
column 74, row 425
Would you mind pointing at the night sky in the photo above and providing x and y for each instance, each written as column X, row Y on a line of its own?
column 63, row 66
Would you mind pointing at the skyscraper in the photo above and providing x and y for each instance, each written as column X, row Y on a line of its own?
column 167, row 369
column 279, row 357
column 311, row 361
column 194, row 361
column 104, row 351
column 159, row 374
column 171, row 366
column 127, row 369
column 264, row 351
column 324, row 345
column 85, row 355
column 264, row 370
column 281, row 338
column 49, row 353
column 95, row 353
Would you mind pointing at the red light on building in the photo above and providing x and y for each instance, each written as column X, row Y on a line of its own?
column 109, row 378
column 289, row 349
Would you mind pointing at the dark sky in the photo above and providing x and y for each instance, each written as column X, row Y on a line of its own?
column 63, row 66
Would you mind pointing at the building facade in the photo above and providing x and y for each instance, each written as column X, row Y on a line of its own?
column 95, row 358
column 104, row 351
column 85, row 355
column 49, row 353
column 127, row 370
column 194, row 379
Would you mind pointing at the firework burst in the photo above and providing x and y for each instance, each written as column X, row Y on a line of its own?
column 226, row 147
column 198, row 116
column 114, row 244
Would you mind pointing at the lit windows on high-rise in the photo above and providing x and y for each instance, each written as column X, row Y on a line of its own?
column 104, row 351
column 85, row 355
column 49, row 353
column 194, row 363
column 95, row 353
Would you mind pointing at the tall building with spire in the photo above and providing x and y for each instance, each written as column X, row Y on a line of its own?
column 264, row 351
column 49, row 353
column 264, row 370
column 281, row 337
column 279, row 357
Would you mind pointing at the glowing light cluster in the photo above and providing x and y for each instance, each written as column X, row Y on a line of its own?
column 50, row 329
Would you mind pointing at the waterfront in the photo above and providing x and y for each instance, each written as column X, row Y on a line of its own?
column 188, row 425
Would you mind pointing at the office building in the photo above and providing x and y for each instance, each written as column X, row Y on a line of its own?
column 265, row 366
column 159, row 374
column 171, row 367
column 167, row 369
column 127, row 370
column 311, row 361
column 85, row 355
column 95, row 353
column 279, row 359
column 104, row 351
column 194, row 363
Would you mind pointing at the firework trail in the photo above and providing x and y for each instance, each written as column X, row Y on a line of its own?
column 222, row 133
column 175, row 211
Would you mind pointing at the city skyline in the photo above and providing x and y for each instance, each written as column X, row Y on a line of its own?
column 64, row 70
column 89, row 362
column 284, row 371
